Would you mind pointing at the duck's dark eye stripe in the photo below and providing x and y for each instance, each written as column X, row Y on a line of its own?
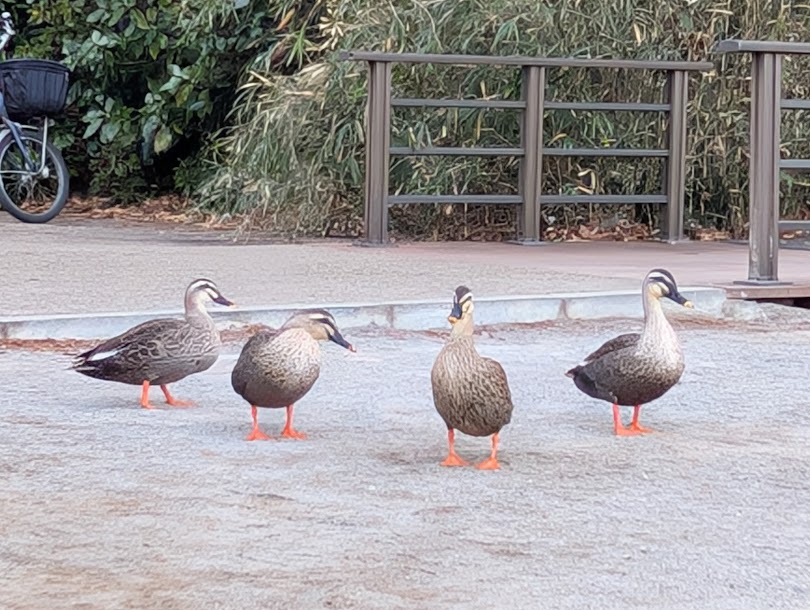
column 327, row 322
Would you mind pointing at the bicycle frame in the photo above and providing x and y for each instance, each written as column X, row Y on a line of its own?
column 7, row 31
column 16, row 130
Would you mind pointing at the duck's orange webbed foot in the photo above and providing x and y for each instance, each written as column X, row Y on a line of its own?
column 634, row 425
column 491, row 463
column 288, row 431
column 453, row 458
column 256, row 434
column 175, row 402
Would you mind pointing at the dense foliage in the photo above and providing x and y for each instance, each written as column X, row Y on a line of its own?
column 151, row 79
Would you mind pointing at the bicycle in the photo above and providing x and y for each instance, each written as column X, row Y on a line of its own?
column 33, row 174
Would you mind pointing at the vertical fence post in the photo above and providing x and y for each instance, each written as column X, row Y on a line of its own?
column 766, row 120
column 675, row 171
column 531, row 140
column 378, row 141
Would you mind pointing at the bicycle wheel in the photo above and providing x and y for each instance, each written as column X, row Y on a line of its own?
column 32, row 197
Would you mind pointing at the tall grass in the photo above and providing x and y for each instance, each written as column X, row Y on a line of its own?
column 294, row 152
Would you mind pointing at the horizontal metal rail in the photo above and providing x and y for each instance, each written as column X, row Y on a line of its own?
column 603, row 199
column 404, row 102
column 795, row 104
column 605, row 152
column 762, row 46
column 608, row 106
column 443, row 103
column 465, row 151
column 794, row 164
column 455, row 151
column 520, row 61
column 472, row 199
column 794, row 225
column 494, row 199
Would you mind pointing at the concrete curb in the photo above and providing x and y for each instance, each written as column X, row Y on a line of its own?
column 400, row 315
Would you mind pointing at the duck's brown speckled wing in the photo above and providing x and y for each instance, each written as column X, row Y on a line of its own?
column 497, row 378
column 242, row 371
column 612, row 345
column 582, row 374
column 136, row 335
column 160, row 351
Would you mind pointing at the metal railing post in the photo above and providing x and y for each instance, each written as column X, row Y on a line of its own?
column 378, row 142
column 766, row 119
column 675, row 171
column 531, row 141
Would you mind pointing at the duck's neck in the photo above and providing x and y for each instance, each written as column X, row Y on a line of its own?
column 196, row 311
column 657, row 329
column 463, row 327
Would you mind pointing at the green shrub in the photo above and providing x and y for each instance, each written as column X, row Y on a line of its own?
column 151, row 80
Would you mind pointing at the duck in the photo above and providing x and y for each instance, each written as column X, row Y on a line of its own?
column 161, row 351
column 470, row 392
column 634, row 369
column 276, row 369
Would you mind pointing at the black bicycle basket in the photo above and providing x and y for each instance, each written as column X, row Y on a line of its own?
column 34, row 87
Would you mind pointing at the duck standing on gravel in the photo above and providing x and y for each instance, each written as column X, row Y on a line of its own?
column 163, row 351
column 636, row 368
column 277, row 368
column 470, row 392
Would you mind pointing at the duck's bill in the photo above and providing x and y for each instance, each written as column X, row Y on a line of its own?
column 221, row 300
column 682, row 300
column 455, row 314
column 338, row 338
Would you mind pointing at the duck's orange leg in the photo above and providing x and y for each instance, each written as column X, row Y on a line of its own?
column 634, row 424
column 491, row 463
column 256, row 434
column 453, row 458
column 288, row 431
column 172, row 401
column 618, row 427
column 145, row 396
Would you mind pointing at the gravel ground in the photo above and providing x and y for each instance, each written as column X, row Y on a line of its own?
column 105, row 505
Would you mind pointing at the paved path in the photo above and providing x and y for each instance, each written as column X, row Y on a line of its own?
column 104, row 505
column 81, row 266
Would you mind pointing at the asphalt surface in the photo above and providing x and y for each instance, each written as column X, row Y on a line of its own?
column 105, row 505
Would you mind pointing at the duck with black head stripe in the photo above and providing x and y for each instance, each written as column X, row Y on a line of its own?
column 277, row 368
column 470, row 392
column 636, row 368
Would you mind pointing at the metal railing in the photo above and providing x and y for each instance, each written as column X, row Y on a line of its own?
column 533, row 104
column 765, row 162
